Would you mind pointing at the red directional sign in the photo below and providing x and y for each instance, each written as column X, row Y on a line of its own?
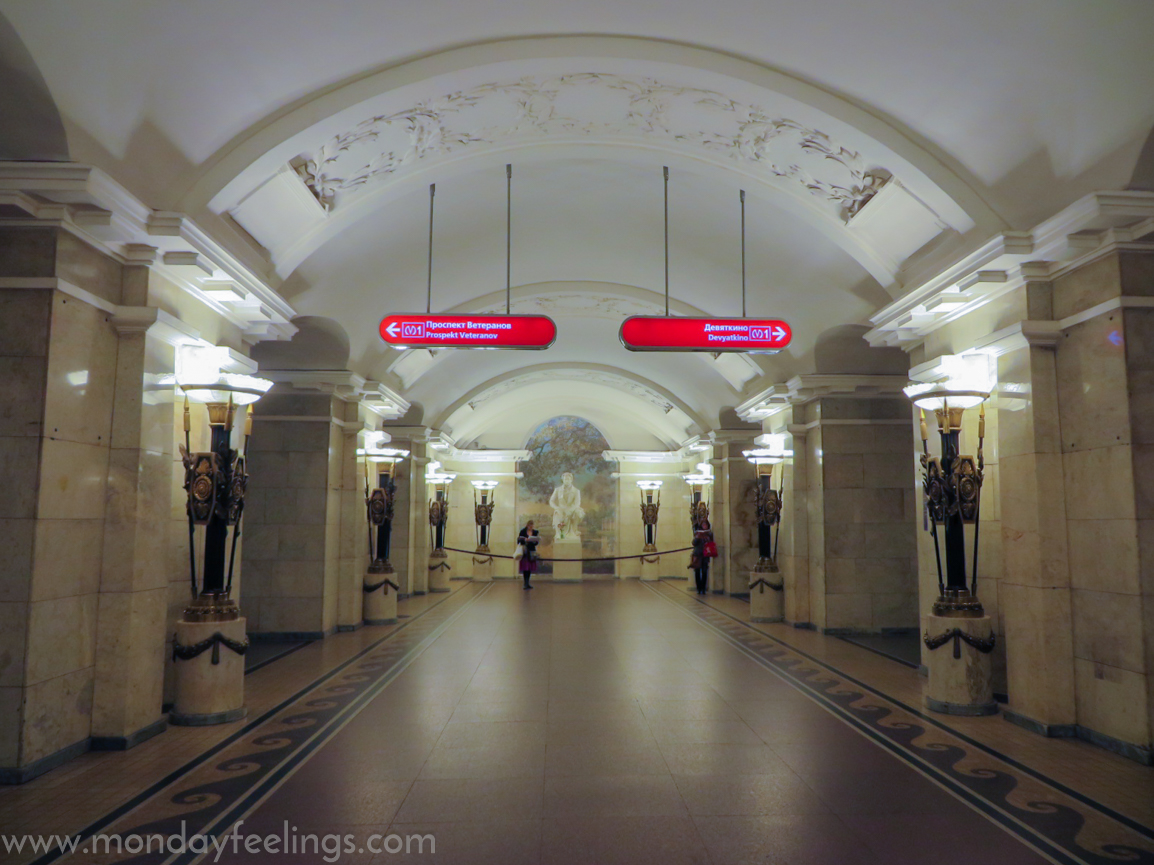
column 421, row 330
column 660, row 333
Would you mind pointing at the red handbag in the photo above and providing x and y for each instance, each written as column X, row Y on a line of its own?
column 709, row 550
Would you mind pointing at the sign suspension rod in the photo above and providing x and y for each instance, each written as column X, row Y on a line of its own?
column 429, row 290
column 742, row 253
column 508, row 236
column 665, row 169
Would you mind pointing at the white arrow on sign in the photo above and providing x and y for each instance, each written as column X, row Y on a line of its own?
column 391, row 330
column 778, row 332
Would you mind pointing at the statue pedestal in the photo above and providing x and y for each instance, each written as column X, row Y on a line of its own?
column 208, row 693
column 438, row 571
column 482, row 567
column 958, row 685
column 567, row 548
column 650, row 568
column 380, row 600
column 766, row 604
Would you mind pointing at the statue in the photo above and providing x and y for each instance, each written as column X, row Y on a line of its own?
column 566, row 504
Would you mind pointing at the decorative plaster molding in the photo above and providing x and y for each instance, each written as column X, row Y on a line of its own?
column 559, row 106
column 345, row 385
column 802, row 389
column 583, row 375
column 1093, row 226
column 88, row 203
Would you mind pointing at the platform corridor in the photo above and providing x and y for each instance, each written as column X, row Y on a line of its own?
column 612, row 722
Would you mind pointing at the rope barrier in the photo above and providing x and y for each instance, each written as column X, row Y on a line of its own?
column 591, row 559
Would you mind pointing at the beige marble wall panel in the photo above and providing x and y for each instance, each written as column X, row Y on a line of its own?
column 128, row 688
column 61, row 637
column 1136, row 271
column 1113, row 701
column 853, row 611
column 280, row 614
column 11, row 716
column 1143, row 461
column 843, row 471
column 884, row 505
column 841, row 576
column 20, row 467
column 13, row 640
column 22, row 402
column 1087, row 286
column 888, row 576
column 25, row 316
column 1108, row 629
column 81, row 373
column 27, row 251
column 1100, row 483
column 892, row 610
column 72, row 481
column 84, row 266
column 889, row 470
column 1092, row 388
column 67, row 558
column 16, row 539
column 57, row 713
column 1104, row 555
column 1039, row 655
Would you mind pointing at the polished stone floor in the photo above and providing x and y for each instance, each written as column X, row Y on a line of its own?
column 597, row 724
column 604, row 722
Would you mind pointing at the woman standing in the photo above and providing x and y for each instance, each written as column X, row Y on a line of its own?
column 702, row 535
column 528, row 539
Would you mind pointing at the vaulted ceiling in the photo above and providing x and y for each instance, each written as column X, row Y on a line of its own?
column 875, row 142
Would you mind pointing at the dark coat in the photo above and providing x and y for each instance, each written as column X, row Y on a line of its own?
column 528, row 561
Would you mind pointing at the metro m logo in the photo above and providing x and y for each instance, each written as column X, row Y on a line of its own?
column 413, row 329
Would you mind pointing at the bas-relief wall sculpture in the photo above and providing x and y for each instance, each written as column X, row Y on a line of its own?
column 570, row 444
column 576, row 105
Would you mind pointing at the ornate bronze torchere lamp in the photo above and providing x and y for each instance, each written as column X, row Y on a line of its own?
column 952, row 483
column 483, row 512
column 952, row 486
column 439, row 566
column 650, row 508
column 216, row 481
column 699, row 482
column 769, row 500
column 379, row 505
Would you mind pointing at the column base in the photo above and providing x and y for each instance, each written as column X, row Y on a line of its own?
column 380, row 601
column 766, row 598
column 958, row 666
column 483, row 567
column 439, row 571
column 650, row 568
column 206, row 692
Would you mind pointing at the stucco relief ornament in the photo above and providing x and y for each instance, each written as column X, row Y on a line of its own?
column 533, row 107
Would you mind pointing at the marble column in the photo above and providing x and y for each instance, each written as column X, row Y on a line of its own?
column 1035, row 590
column 131, row 631
column 793, row 553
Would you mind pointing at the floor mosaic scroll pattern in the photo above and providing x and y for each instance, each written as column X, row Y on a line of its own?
column 1054, row 820
column 212, row 796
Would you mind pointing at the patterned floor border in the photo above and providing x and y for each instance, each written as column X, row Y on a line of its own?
column 1058, row 822
column 230, row 780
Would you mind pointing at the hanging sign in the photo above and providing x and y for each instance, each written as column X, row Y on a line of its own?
column 423, row 330
column 663, row 333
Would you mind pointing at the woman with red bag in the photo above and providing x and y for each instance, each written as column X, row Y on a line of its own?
column 704, row 549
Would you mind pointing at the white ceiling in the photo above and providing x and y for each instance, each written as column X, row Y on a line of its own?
column 989, row 115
